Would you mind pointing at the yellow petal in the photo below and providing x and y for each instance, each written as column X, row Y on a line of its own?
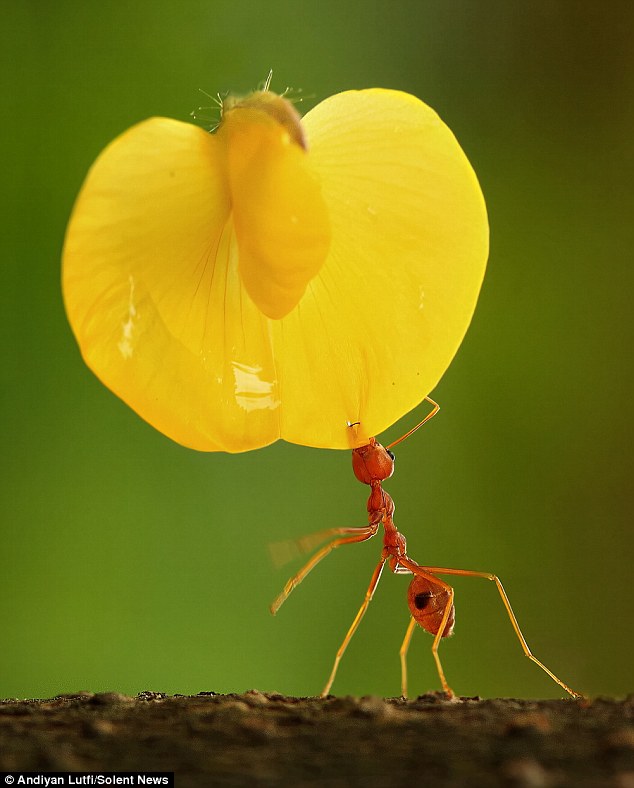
column 385, row 315
column 153, row 295
column 279, row 215
column 182, row 242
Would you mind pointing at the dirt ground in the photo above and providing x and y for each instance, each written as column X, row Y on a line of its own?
column 257, row 739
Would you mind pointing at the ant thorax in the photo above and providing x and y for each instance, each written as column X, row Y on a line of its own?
column 380, row 503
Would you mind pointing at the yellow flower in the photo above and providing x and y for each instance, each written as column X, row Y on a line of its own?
column 279, row 277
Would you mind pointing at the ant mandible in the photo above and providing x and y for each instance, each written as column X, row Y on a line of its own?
column 430, row 599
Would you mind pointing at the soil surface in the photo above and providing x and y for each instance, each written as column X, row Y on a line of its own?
column 257, row 739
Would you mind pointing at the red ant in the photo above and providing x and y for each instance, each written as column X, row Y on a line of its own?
column 430, row 599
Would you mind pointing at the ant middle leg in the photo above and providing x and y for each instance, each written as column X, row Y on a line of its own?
column 434, row 650
column 403, row 654
column 431, row 603
column 376, row 576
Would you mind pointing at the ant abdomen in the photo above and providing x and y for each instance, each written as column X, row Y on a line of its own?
column 427, row 602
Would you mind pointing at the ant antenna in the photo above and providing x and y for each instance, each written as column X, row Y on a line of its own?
column 430, row 415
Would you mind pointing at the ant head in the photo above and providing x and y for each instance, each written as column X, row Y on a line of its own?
column 372, row 462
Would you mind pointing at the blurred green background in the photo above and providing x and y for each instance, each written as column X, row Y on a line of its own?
column 130, row 563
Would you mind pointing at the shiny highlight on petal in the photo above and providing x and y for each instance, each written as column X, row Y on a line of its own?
column 251, row 391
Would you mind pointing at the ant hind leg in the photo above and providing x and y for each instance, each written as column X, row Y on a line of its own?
column 505, row 600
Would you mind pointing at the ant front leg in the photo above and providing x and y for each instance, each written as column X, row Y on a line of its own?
column 357, row 535
column 505, row 600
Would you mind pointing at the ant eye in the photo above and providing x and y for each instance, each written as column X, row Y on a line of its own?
column 390, row 453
